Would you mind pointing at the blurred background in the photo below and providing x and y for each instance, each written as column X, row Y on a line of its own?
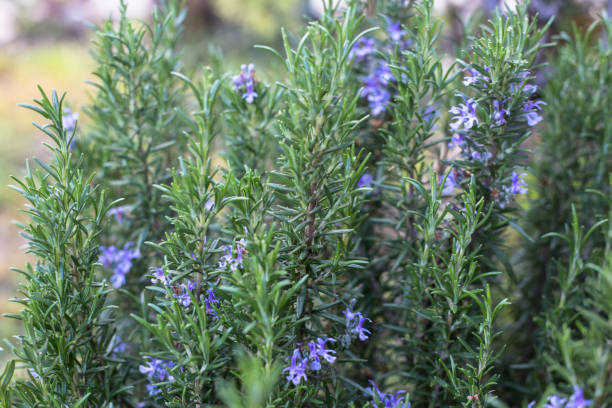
column 45, row 42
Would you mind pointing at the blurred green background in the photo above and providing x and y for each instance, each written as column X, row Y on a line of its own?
column 45, row 42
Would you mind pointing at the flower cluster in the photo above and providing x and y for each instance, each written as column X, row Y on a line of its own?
column 355, row 321
column 388, row 400
column 376, row 83
column 119, row 261
column 156, row 370
column 209, row 301
column 464, row 115
column 245, row 81
column 310, row 360
column 233, row 257
column 184, row 293
column 576, row 400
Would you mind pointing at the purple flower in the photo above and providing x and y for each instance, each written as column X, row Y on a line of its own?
column 232, row 258
column 465, row 115
column 245, row 80
column 210, row 301
column 160, row 276
column 388, row 400
column 518, row 185
column 481, row 156
column 555, row 402
column 457, row 140
column 208, row 205
column 577, row 399
column 374, row 88
column 499, row 113
column 365, row 180
column 297, row 369
column 119, row 261
column 119, row 213
column 120, row 346
column 318, row 350
column 362, row 49
column 184, row 297
column 157, row 371
column 394, row 29
column 349, row 314
column 69, row 120
column 527, row 88
column 531, row 108
column 360, row 330
column 450, row 183
column 476, row 76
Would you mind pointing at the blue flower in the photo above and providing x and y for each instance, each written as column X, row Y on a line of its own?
column 450, row 183
column 318, row 350
column 577, row 399
column 119, row 261
column 360, row 330
column 362, row 49
column 69, row 120
column 156, row 370
column 531, row 107
column 349, row 314
column 527, row 88
column 365, row 180
column 465, row 115
column 555, row 401
column 476, row 76
column 233, row 259
column 245, row 80
column 499, row 113
column 297, row 369
column 208, row 205
column 184, row 297
column 119, row 213
column 210, row 301
column 375, row 88
column 457, row 140
column 394, row 29
column 388, row 400
column 518, row 186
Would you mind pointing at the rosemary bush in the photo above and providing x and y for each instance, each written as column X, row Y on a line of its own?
column 366, row 241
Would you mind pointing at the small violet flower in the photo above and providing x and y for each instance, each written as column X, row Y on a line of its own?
column 362, row 49
column 476, row 76
column 365, row 180
column 210, row 301
column 157, row 370
column 245, row 80
column 119, row 261
column 499, row 113
column 533, row 118
column 355, row 321
column 457, row 140
column 208, row 205
column 465, row 115
column 184, row 297
column 160, row 276
column 297, row 369
column 388, row 400
column 375, row 90
column 119, row 213
column 233, row 259
column 450, row 183
column 394, row 29
column 518, row 186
